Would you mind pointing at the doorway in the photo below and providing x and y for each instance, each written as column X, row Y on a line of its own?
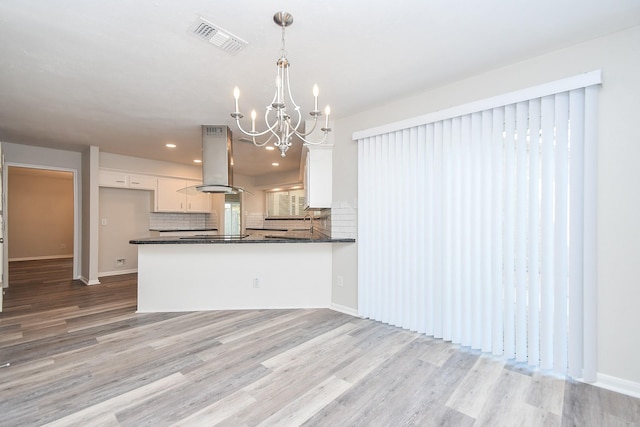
column 41, row 224
column 232, row 216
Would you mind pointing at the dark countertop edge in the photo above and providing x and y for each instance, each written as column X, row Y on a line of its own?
column 267, row 229
column 185, row 229
column 287, row 218
column 179, row 241
column 278, row 229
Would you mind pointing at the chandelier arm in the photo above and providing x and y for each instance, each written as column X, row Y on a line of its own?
column 252, row 134
column 298, row 121
column 272, row 128
column 262, row 144
column 315, row 114
column 313, row 128
column 306, row 141
column 269, row 139
column 286, row 71
column 284, row 136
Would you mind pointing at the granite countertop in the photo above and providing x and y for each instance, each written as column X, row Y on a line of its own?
column 186, row 240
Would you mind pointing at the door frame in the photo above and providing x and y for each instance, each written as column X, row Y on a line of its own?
column 76, row 214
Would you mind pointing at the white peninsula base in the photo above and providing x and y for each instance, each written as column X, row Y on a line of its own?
column 196, row 277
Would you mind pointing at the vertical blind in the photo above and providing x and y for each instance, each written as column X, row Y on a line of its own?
column 480, row 229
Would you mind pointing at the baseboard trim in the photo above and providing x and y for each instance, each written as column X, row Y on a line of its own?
column 38, row 258
column 619, row 385
column 117, row 272
column 89, row 282
column 344, row 309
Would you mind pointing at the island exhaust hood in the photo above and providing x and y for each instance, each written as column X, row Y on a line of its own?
column 217, row 160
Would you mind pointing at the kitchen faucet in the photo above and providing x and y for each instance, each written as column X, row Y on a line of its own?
column 304, row 219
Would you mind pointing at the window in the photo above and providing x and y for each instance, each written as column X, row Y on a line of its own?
column 285, row 203
column 232, row 214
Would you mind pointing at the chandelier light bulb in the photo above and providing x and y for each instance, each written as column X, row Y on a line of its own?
column 236, row 95
column 315, row 97
column 253, row 120
column 327, row 111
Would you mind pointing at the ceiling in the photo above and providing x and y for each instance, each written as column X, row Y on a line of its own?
column 129, row 77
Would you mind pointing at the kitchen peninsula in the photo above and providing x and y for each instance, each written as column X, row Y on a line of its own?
column 197, row 273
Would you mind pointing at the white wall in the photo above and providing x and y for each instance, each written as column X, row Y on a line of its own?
column 90, row 206
column 150, row 167
column 126, row 217
column 618, row 56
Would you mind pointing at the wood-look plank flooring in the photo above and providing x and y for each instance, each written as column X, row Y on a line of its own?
column 81, row 356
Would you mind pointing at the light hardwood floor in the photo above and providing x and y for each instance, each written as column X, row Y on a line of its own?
column 81, row 356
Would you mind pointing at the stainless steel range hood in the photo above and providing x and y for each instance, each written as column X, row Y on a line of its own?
column 217, row 160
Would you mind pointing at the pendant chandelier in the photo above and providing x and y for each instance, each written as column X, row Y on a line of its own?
column 278, row 115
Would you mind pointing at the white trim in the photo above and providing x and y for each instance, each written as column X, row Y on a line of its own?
column 581, row 80
column 117, row 272
column 36, row 258
column 619, row 385
column 344, row 309
column 88, row 282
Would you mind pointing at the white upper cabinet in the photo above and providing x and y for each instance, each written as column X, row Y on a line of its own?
column 170, row 198
column 198, row 202
column 113, row 179
column 143, row 182
column 318, row 174
column 126, row 180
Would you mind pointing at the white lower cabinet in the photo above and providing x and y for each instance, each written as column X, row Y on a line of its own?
column 172, row 196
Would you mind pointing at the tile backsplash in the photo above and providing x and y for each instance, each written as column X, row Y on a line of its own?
column 343, row 221
column 339, row 221
column 254, row 220
column 182, row 221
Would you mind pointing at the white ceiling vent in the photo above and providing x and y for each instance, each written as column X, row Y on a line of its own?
column 226, row 41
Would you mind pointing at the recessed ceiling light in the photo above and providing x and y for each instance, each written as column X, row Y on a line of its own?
column 197, row 161
column 170, row 145
column 270, row 147
column 275, row 164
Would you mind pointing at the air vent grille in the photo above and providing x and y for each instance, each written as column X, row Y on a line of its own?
column 214, row 130
column 215, row 35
